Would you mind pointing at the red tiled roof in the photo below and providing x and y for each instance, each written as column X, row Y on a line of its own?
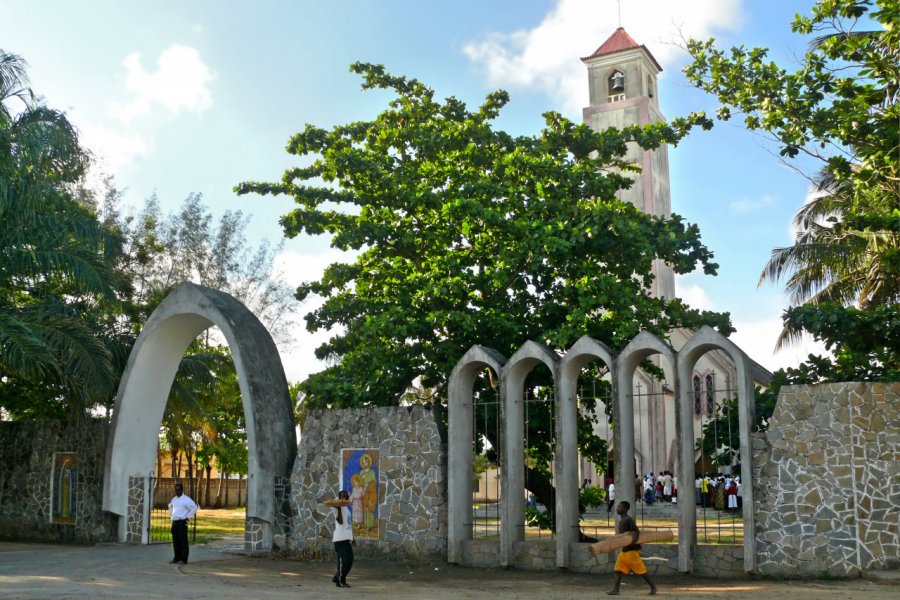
column 619, row 41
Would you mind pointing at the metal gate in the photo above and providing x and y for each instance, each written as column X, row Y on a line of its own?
column 159, row 523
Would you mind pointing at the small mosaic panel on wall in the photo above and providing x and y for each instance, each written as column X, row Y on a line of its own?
column 63, row 488
column 359, row 476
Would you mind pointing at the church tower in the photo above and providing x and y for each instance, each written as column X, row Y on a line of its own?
column 622, row 81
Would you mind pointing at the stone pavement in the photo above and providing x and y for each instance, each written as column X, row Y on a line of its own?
column 118, row 571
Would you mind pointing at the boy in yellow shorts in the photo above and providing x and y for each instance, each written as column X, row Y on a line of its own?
column 629, row 559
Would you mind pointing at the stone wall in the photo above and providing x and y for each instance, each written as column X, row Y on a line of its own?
column 827, row 481
column 412, row 510
column 26, row 461
column 720, row 561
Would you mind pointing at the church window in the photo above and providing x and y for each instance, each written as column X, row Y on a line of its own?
column 710, row 394
column 650, row 86
column 698, row 395
column 616, row 86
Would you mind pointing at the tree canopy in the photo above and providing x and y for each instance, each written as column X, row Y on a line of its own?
column 839, row 109
column 57, row 262
column 466, row 234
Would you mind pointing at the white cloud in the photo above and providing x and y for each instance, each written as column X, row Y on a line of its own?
column 747, row 205
column 757, row 338
column 693, row 295
column 298, row 357
column 114, row 148
column 179, row 83
column 543, row 57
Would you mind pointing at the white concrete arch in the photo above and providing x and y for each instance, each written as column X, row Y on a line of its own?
column 512, row 387
column 748, row 373
column 459, row 459
column 583, row 352
column 272, row 445
column 643, row 345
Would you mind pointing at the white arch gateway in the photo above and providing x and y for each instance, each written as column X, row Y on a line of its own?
column 272, row 443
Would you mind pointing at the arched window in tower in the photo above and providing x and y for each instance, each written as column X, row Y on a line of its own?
column 698, row 396
column 616, row 86
column 650, row 90
column 710, row 394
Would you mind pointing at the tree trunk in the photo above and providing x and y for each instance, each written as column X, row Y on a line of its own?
column 227, row 487
column 190, row 473
column 219, row 491
column 208, row 473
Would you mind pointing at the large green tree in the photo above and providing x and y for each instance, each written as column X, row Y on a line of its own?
column 839, row 110
column 465, row 235
column 57, row 262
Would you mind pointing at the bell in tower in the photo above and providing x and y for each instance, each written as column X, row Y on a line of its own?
column 617, row 83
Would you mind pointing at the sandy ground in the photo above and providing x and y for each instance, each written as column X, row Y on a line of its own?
column 113, row 571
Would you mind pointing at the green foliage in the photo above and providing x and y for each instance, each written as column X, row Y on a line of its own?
column 463, row 234
column 865, row 344
column 540, row 518
column 469, row 235
column 720, row 438
column 840, row 109
column 591, row 496
column 59, row 289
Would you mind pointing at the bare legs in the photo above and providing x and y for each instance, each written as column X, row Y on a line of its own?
column 618, row 581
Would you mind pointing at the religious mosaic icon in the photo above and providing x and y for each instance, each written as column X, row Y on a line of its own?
column 359, row 476
column 63, row 480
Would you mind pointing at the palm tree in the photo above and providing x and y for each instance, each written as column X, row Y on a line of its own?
column 846, row 249
column 56, row 260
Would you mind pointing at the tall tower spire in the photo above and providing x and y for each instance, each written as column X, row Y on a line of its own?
column 622, row 78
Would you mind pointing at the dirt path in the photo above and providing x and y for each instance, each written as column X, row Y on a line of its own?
column 43, row 571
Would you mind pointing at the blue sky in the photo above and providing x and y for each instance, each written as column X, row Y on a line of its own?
column 181, row 97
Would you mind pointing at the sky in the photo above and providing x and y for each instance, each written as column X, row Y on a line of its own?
column 181, row 97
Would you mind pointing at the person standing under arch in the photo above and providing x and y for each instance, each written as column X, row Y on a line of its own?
column 181, row 509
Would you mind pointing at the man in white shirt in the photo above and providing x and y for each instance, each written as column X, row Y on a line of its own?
column 181, row 509
column 611, row 496
column 343, row 541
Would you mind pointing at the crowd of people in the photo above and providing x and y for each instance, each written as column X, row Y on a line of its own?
column 722, row 492
column 719, row 491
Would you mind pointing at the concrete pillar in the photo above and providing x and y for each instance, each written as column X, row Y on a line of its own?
column 512, row 496
column 583, row 352
column 460, row 443
column 643, row 345
column 703, row 341
column 746, row 414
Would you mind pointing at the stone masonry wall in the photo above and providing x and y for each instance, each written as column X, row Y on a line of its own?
column 412, row 492
column 719, row 561
column 827, row 481
column 26, row 459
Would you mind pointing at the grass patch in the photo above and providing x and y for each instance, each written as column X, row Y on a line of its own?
column 218, row 523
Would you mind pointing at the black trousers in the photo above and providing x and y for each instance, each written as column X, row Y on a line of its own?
column 180, row 539
column 344, row 551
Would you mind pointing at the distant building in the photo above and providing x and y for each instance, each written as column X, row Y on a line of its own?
column 622, row 79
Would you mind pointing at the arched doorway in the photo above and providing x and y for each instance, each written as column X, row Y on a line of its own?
column 272, row 443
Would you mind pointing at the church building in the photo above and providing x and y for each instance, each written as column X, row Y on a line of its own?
column 622, row 79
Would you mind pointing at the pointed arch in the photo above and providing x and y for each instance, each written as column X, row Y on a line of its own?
column 748, row 373
column 512, row 387
column 272, row 443
column 459, row 459
column 583, row 352
column 642, row 346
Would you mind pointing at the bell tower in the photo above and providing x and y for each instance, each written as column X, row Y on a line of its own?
column 622, row 78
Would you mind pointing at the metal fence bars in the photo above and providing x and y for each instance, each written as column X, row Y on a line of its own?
column 159, row 524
